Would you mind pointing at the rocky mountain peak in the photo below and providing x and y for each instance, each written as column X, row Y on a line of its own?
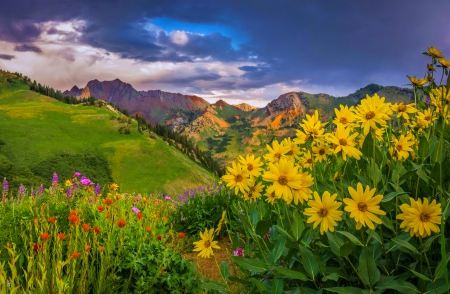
column 245, row 107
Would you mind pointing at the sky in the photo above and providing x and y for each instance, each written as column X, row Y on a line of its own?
column 240, row 51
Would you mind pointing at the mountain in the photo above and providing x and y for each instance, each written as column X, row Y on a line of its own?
column 55, row 136
column 245, row 107
column 156, row 106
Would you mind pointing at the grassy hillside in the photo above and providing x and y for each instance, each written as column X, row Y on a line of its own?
column 35, row 128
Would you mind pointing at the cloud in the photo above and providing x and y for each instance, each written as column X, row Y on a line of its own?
column 6, row 56
column 27, row 48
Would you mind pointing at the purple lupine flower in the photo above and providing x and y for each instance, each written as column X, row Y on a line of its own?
column 85, row 181
column 201, row 189
column 239, row 252
column 97, row 190
column 5, row 185
column 135, row 209
column 33, row 192
column 183, row 199
column 208, row 188
column 77, row 174
column 186, row 193
column 69, row 192
column 167, row 198
column 40, row 191
column 193, row 193
column 21, row 191
column 427, row 100
column 55, row 179
column 214, row 186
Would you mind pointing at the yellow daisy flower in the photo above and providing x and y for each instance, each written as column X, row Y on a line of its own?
column 372, row 113
column 324, row 212
column 403, row 110
column 427, row 117
column 401, row 147
column 444, row 62
column 68, row 183
column 276, row 152
column 221, row 222
column 433, row 52
column 294, row 149
column 305, row 160
column 254, row 192
column 344, row 116
column 284, row 176
column 304, row 193
column 321, row 150
column 416, row 82
column 420, row 218
column 271, row 197
column 344, row 142
column 206, row 244
column 363, row 206
column 253, row 164
column 237, row 178
column 312, row 126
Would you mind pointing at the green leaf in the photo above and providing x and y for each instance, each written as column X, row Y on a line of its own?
column 263, row 227
column 298, row 225
column 399, row 285
column 277, row 250
column 367, row 147
column 368, row 270
column 351, row 237
column 424, row 147
column 441, row 268
column 288, row 273
column 284, row 232
column 345, row 290
column 309, row 261
column 332, row 276
column 277, row 286
column 387, row 223
column 335, row 248
column 405, row 244
column 429, row 241
column 237, row 280
column 213, row 285
column 392, row 195
column 250, row 264
column 260, row 286
column 347, row 248
column 253, row 215
column 423, row 277
column 225, row 269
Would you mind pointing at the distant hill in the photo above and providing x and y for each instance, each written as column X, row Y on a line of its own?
column 38, row 134
column 225, row 130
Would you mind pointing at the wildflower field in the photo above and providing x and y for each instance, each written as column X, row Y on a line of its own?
column 358, row 204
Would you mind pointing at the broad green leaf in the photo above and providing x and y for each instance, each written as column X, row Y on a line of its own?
column 235, row 240
column 423, row 277
column 351, row 237
column 250, row 264
column 441, row 268
column 284, row 232
column 387, row 223
column 399, row 285
column 277, row 286
column 253, row 215
column 263, row 227
column 347, row 248
column 345, row 290
column 424, row 147
column 298, row 225
column 213, row 285
column 367, row 269
column 260, row 286
column 277, row 249
column 367, row 147
column 309, row 261
column 391, row 196
column 225, row 269
column 289, row 273
column 335, row 248
column 238, row 280
column 332, row 276
column 429, row 241
column 405, row 244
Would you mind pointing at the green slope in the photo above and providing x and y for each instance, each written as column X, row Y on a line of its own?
column 35, row 128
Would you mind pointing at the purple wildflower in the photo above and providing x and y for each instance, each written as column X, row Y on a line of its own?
column 192, row 193
column 85, row 181
column 167, row 198
column 201, row 189
column 69, row 192
column 135, row 209
column 5, row 185
column 97, row 190
column 77, row 174
column 239, row 252
column 186, row 193
column 21, row 191
column 208, row 188
column 55, row 180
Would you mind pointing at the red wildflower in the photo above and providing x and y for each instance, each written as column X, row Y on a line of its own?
column 87, row 247
column 45, row 236
column 121, row 223
column 159, row 237
column 181, row 234
column 139, row 215
column 75, row 254
column 73, row 217
column 100, row 208
column 108, row 215
column 52, row 220
column 100, row 248
column 108, row 201
column 86, row 227
column 61, row 236
column 36, row 220
column 149, row 229
column 97, row 230
column 37, row 247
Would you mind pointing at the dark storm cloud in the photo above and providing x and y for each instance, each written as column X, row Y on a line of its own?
column 320, row 42
column 27, row 48
column 6, row 56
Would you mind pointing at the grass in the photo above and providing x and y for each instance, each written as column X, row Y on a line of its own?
column 36, row 127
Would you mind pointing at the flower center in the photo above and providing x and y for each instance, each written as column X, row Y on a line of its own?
column 315, row 132
column 343, row 120
column 322, row 151
column 362, row 206
column 249, row 195
column 249, row 166
column 238, row 178
column 282, row 180
column 277, row 155
column 343, row 142
column 370, row 115
column 424, row 217
column 323, row 212
column 207, row 244
column 309, row 161
column 401, row 108
column 399, row 147
column 427, row 117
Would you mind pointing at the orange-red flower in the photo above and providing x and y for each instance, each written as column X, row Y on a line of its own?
column 181, row 234
column 139, row 215
column 45, row 236
column 36, row 220
column 75, row 254
column 52, row 220
column 100, row 248
column 86, row 227
column 73, row 217
column 37, row 247
column 121, row 223
column 159, row 237
column 97, row 230
column 100, row 208
column 149, row 229
column 108, row 215
column 108, row 201
column 87, row 247
column 61, row 236
column 165, row 218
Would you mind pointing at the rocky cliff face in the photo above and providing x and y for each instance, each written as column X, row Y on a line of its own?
column 283, row 110
column 245, row 107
